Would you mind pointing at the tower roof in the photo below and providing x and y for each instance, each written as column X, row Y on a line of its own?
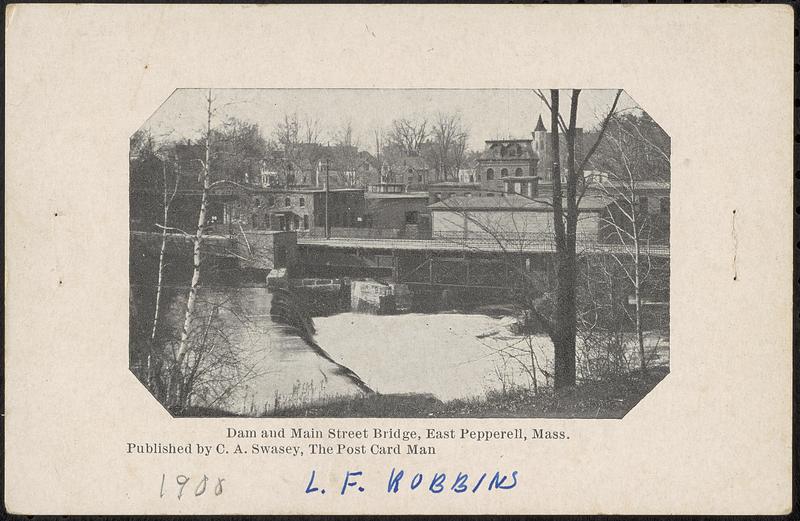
column 539, row 125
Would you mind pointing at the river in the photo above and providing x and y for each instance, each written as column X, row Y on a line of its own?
column 446, row 355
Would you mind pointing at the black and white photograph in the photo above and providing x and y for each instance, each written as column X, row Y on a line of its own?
column 399, row 259
column 411, row 253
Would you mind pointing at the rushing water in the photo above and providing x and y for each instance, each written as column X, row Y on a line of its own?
column 446, row 355
column 275, row 365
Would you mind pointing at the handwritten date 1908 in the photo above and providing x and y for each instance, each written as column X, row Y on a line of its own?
column 196, row 489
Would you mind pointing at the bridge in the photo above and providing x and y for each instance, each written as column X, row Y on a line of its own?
column 451, row 261
column 519, row 243
column 443, row 261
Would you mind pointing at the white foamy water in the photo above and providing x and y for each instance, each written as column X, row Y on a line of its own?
column 447, row 355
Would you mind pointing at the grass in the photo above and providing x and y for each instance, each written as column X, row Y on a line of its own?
column 611, row 398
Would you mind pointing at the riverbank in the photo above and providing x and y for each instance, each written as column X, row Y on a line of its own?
column 591, row 399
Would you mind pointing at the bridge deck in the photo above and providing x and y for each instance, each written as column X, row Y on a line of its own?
column 225, row 245
column 471, row 245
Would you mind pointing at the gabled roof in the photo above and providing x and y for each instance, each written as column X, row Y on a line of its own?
column 405, row 162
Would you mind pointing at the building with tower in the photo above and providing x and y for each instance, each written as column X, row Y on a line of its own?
column 504, row 158
column 543, row 148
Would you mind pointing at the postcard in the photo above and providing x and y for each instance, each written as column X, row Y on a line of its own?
column 398, row 259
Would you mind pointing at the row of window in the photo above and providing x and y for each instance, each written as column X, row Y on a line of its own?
column 503, row 173
column 280, row 222
column 286, row 202
column 508, row 150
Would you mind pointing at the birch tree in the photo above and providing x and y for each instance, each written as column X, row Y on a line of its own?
column 174, row 397
column 633, row 153
column 168, row 198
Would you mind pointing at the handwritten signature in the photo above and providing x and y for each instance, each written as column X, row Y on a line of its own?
column 398, row 480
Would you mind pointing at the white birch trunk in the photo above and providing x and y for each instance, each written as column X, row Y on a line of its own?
column 177, row 373
column 167, row 204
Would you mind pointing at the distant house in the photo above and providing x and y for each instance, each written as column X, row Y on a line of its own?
column 294, row 209
column 652, row 200
column 505, row 158
column 409, row 170
column 511, row 217
column 399, row 212
column 345, row 167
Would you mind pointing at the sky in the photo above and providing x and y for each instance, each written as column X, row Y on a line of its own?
column 486, row 113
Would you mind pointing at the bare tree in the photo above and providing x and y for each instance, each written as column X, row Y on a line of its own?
column 408, row 135
column 602, row 349
column 178, row 391
column 562, row 326
column 347, row 154
column 168, row 199
column 287, row 135
column 377, row 134
column 449, row 138
column 506, row 241
column 311, row 130
column 629, row 158
column 174, row 395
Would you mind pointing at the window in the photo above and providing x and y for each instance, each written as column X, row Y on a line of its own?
column 478, row 177
column 489, row 174
column 296, row 222
column 419, row 178
column 287, row 202
column 271, row 201
column 302, row 201
column 305, row 222
column 412, row 217
column 489, row 194
column 504, row 172
column 267, row 223
column 518, row 172
column 664, row 203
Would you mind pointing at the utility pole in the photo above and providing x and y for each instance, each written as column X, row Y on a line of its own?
column 327, row 192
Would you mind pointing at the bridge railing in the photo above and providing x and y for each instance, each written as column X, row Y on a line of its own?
column 510, row 242
column 221, row 245
column 352, row 233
